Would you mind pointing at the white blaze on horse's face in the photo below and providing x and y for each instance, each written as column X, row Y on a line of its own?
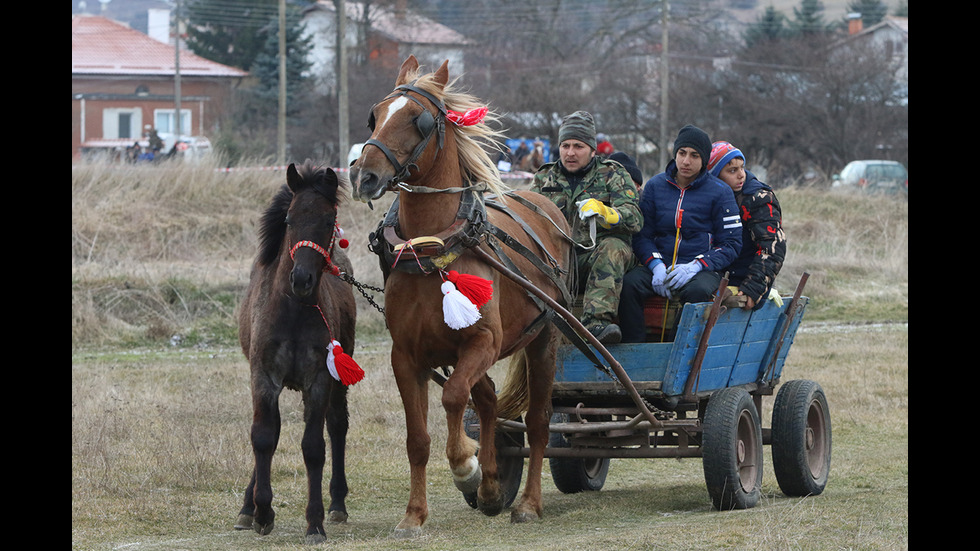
column 393, row 108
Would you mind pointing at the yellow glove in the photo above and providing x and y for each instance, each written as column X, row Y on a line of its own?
column 774, row 296
column 608, row 216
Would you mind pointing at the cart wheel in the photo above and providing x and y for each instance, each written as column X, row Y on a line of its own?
column 510, row 468
column 575, row 474
column 801, row 438
column 732, row 450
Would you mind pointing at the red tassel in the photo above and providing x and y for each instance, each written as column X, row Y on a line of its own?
column 469, row 118
column 342, row 366
column 475, row 288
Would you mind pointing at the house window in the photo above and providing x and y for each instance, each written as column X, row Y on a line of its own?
column 166, row 122
column 121, row 123
column 125, row 125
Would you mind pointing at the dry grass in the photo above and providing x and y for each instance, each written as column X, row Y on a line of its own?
column 160, row 451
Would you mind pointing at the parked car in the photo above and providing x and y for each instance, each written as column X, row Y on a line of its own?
column 873, row 177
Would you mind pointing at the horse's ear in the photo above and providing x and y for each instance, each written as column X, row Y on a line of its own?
column 293, row 178
column 441, row 76
column 410, row 65
column 331, row 177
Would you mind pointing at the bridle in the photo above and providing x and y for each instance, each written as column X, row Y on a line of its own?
column 426, row 123
column 325, row 252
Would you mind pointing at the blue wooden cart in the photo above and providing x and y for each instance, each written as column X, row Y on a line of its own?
column 699, row 395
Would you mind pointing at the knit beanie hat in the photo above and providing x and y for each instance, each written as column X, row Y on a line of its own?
column 630, row 165
column 697, row 139
column 578, row 126
column 721, row 154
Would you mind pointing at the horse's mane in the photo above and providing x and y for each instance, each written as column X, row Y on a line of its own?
column 472, row 141
column 272, row 227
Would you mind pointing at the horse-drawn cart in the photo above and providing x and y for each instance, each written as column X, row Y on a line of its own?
column 697, row 396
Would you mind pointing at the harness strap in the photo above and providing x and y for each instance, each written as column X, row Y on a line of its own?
column 436, row 251
column 551, row 271
column 527, row 229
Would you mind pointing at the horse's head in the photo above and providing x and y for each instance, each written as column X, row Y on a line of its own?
column 408, row 128
column 311, row 225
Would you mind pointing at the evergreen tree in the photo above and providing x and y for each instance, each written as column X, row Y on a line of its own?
column 266, row 65
column 771, row 25
column 230, row 32
column 808, row 18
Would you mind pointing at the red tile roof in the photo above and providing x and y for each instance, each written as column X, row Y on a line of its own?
column 100, row 46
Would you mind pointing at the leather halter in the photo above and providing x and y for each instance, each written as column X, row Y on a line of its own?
column 426, row 124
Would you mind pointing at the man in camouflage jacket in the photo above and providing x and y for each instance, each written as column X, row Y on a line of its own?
column 599, row 201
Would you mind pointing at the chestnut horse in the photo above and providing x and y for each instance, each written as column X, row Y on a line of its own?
column 291, row 321
column 426, row 146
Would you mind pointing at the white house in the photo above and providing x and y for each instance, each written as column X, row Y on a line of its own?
column 385, row 36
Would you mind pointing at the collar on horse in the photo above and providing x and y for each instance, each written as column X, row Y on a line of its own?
column 426, row 254
column 427, row 125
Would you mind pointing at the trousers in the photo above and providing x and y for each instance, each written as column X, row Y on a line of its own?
column 637, row 287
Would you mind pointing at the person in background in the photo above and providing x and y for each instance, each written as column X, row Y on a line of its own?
column 599, row 201
column 691, row 232
column 630, row 165
column 604, row 146
column 763, row 241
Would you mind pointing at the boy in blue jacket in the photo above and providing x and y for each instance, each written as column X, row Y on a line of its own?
column 691, row 233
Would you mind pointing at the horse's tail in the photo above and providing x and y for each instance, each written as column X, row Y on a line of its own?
column 513, row 399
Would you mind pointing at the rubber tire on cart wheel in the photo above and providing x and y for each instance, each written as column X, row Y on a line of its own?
column 732, row 450
column 510, row 468
column 801, row 438
column 575, row 474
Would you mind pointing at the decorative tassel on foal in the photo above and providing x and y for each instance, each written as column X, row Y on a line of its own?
column 341, row 366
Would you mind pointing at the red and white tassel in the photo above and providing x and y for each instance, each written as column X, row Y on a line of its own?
column 341, row 366
column 475, row 288
column 457, row 310
column 341, row 242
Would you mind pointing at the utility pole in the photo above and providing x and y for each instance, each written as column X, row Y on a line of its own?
column 342, row 98
column 177, row 128
column 664, row 83
column 282, row 82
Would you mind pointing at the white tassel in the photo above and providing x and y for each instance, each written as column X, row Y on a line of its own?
column 331, row 361
column 457, row 310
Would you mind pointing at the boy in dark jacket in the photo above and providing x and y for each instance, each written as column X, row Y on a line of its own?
column 763, row 241
column 691, row 232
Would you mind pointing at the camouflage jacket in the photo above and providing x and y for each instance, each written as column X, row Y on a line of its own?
column 604, row 180
column 763, row 240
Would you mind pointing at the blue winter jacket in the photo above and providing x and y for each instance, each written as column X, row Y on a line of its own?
column 710, row 227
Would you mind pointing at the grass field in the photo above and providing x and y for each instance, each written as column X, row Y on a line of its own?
column 161, row 405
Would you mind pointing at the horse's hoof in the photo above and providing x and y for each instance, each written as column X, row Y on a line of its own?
column 520, row 517
column 470, row 482
column 407, row 533
column 244, row 522
column 491, row 508
column 264, row 529
column 314, row 539
column 337, row 517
